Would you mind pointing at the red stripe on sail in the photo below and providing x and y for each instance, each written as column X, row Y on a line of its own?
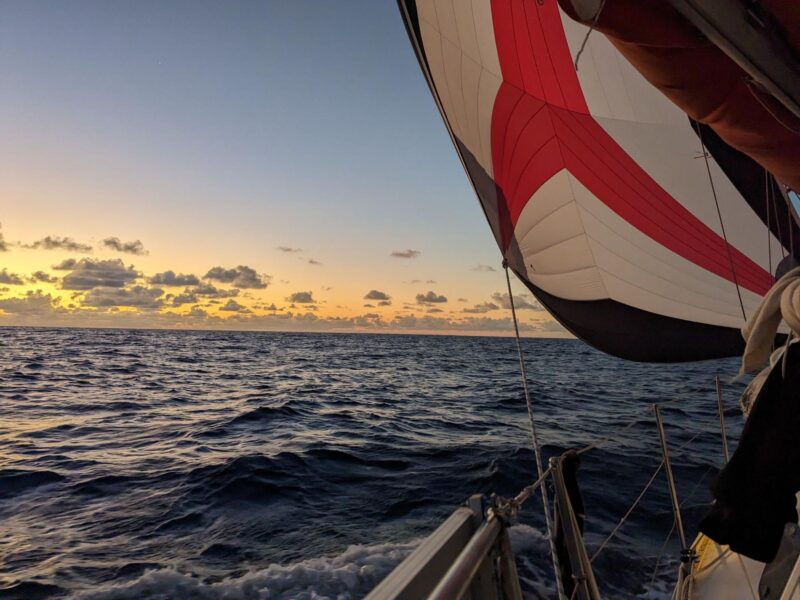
column 541, row 125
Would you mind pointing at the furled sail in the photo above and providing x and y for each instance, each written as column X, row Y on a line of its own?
column 599, row 190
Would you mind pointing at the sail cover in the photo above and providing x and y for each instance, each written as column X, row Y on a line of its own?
column 597, row 188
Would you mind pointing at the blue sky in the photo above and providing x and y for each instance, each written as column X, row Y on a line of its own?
column 215, row 132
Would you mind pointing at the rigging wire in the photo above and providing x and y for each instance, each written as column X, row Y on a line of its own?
column 639, row 498
column 789, row 221
column 769, row 231
column 592, row 27
column 609, row 437
column 534, row 438
column 672, row 529
column 774, row 206
column 627, row 513
column 721, row 224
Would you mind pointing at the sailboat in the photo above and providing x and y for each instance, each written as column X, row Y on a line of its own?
column 637, row 162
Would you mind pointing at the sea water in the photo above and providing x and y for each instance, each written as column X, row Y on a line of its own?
column 196, row 464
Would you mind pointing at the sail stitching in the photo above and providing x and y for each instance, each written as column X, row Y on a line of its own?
column 643, row 250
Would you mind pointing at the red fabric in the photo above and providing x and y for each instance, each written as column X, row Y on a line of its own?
column 704, row 82
column 541, row 125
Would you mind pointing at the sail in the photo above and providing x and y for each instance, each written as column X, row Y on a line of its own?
column 598, row 189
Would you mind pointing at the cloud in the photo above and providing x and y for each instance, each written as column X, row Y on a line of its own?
column 521, row 301
column 377, row 295
column 302, row 298
column 65, row 265
column 434, row 310
column 137, row 296
column 406, row 253
column 368, row 305
column 209, row 291
column 43, row 277
column 88, row 273
column 191, row 295
column 3, row 243
column 10, row 278
column 385, row 303
column 289, row 249
column 265, row 306
column 33, row 303
column 242, row 277
column 431, row 298
column 196, row 311
column 484, row 269
column 473, row 324
column 134, row 247
column 462, row 300
column 482, row 308
column 233, row 306
column 59, row 243
column 170, row 278
column 184, row 298
column 311, row 261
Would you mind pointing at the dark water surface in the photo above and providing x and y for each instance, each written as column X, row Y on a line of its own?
column 161, row 464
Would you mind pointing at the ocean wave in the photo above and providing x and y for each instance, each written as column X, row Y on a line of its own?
column 225, row 452
column 16, row 481
column 347, row 576
column 265, row 413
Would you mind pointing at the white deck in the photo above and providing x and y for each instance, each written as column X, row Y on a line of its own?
column 724, row 575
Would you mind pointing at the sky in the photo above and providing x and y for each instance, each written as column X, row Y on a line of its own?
column 235, row 165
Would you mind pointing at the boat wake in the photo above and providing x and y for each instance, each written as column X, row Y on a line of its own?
column 349, row 575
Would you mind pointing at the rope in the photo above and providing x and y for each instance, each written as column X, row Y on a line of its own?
column 589, row 32
column 780, row 303
column 721, row 224
column 509, row 509
column 534, row 438
column 528, row 491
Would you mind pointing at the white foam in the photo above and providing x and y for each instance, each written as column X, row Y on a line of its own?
column 525, row 538
column 347, row 576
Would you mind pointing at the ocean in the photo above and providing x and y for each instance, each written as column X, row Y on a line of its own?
column 232, row 465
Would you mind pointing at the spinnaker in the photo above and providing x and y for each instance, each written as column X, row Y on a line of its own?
column 641, row 230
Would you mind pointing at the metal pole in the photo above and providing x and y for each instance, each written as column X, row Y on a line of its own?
column 721, row 409
column 676, row 507
column 582, row 574
column 459, row 576
column 535, row 440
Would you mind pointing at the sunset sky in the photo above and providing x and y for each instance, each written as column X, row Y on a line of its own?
column 242, row 165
